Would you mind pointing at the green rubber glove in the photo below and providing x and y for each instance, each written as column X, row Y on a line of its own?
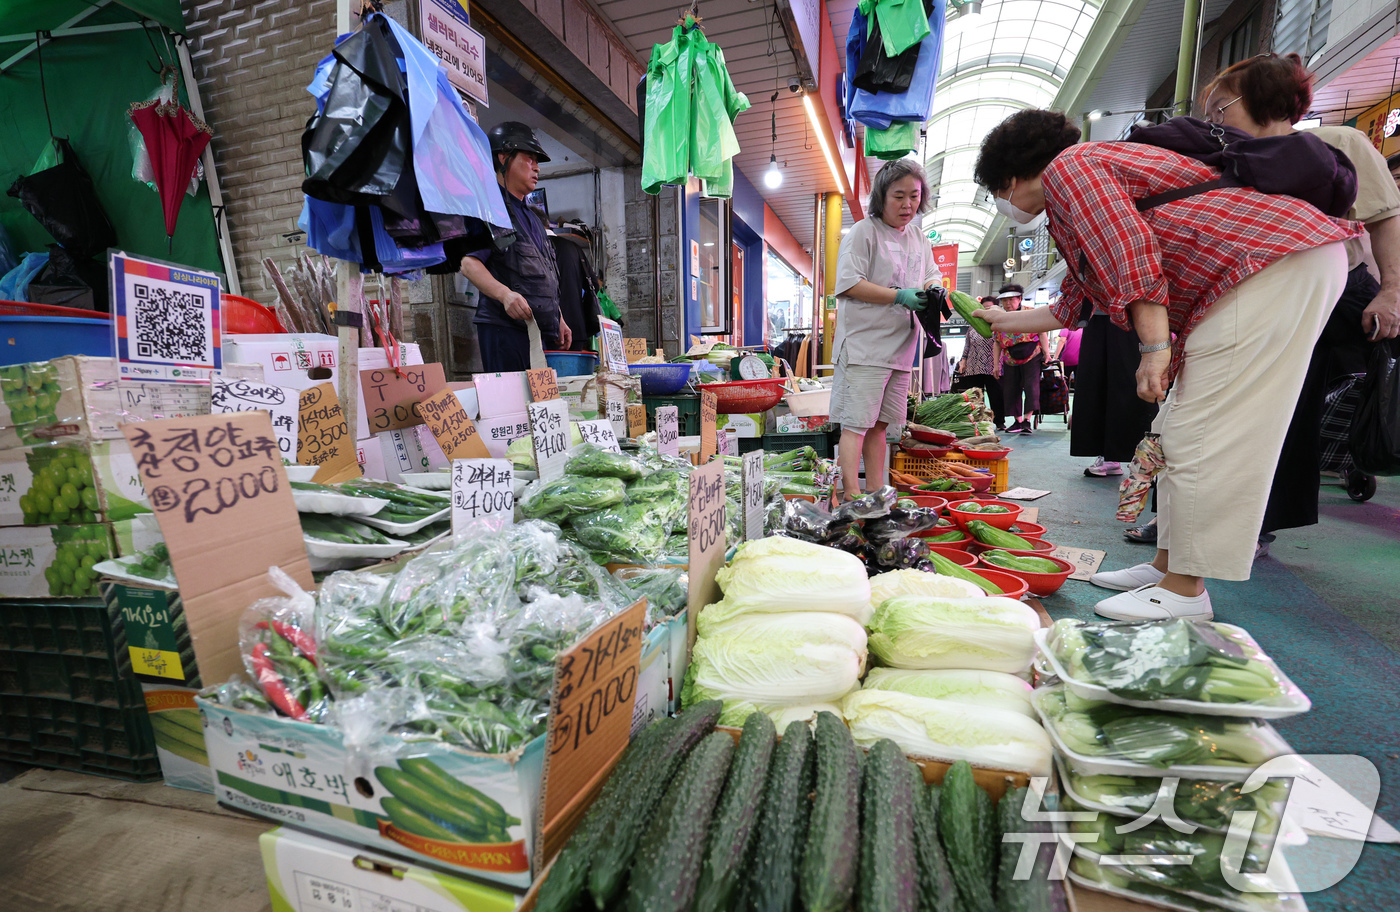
column 912, row 298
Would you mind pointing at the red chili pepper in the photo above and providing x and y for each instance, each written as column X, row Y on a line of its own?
column 273, row 685
column 298, row 638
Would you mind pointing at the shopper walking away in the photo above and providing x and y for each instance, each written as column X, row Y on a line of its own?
column 578, row 284
column 1244, row 278
column 1265, row 96
column 977, row 367
column 1109, row 418
column 883, row 270
column 1017, row 359
column 1068, row 354
column 521, row 283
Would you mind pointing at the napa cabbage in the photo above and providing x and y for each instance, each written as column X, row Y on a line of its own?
column 897, row 583
column 993, row 634
column 995, row 689
column 783, row 574
column 949, row 731
column 786, row 659
column 735, row 713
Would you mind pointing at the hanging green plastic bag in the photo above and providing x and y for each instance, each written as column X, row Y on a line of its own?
column 903, row 23
column 605, row 303
column 898, row 141
column 51, row 157
column 717, row 103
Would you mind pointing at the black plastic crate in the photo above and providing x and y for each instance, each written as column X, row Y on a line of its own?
column 85, row 737
column 85, row 678
column 687, row 412
column 821, row 441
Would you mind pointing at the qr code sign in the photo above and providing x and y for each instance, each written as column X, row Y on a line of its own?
column 170, row 322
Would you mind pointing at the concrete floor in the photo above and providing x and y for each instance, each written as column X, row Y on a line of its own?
column 1325, row 604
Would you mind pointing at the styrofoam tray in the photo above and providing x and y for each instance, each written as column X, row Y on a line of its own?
column 405, row 528
column 1112, row 766
column 429, row 481
column 301, row 472
column 116, row 568
column 337, row 504
column 315, row 547
column 1295, row 701
column 1286, row 901
column 1289, row 832
column 328, row 564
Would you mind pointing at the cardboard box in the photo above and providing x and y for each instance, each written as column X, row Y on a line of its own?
column 402, row 451
column 581, row 394
column 98, row 482
column 139, row 533
column 497, row 433
column 308, row 874
column 371, row 358
column 371, row 458
column 30, row 565
column 791, row 424
column 751, row 424
column 502, row 395
column 296, row 361
column 179, row 730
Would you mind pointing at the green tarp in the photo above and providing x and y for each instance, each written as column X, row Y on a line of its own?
column 90, row 81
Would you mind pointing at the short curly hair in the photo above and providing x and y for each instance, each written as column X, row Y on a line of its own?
column 1021, row 146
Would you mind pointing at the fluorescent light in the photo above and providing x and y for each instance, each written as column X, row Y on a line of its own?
column 773, row 177
column 1308, row 123
column 1095, row 114
column 845, row 231
column 821, row 138
column 709, row 243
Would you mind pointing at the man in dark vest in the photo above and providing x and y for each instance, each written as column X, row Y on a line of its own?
column 520, row 283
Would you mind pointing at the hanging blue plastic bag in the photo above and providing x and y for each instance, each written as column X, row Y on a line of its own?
column 881, row 109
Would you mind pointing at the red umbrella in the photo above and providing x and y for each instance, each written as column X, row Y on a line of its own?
column 174, row 141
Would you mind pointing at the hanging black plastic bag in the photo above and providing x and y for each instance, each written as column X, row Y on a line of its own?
column 64, row 202
column 1375, row 429
column 879, row 72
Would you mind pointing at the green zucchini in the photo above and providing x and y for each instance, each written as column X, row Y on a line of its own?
column 968, row 832
column 988, row 534
column 829, row 863
column 617, row 841
column 436, row 779
column 414, row 821
column 1036, row 893
column 1021, row 562
column 937, row 892
column 568, row 876
column 772, row 873
column 888, row 868
column 966, row 305
column 946, row 567
column 667, row 866
column 412, row 793
column 734, row 824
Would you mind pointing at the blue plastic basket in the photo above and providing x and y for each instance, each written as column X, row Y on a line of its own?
column 24, row 338
column 572, row 364
column 661, row 379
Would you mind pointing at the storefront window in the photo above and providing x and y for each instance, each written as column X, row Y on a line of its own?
column 714, row 284
column 789, row 300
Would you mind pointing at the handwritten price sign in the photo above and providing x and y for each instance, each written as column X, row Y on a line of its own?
column 544, row 384
column 391, row 398
column 706, row 533
column 708, row 415
column 225, row 508
column 483, row 494
column 1086, row 562
column 636, row 349
column 636, row 420
column 455, row 432
column 549, row 432
column 595, row 687
column 599, row 433
column 323, row 438
column 753, row 495
column 668, row 431
column 227, row 396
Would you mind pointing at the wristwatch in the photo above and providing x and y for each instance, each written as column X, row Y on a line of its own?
column 1148, row 349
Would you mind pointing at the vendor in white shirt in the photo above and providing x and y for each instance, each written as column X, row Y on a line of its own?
column 884, row 266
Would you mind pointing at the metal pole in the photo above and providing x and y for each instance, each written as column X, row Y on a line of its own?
column 1186, row 57
column 211, row 175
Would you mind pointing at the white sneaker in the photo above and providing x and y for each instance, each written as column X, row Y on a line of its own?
column 1100, row 468
column 1151, row 603
column 1129, row 579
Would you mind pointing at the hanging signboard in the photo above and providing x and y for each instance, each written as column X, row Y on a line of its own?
column 460, row 47
column 165, row 320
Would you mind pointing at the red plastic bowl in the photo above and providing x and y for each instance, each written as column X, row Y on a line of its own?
column 996, row 520
column 931, row 501
column 1042, row 548
column 934, row 436
column 1037, row 583
column 981, row 485
column 956, row 555
column 244, row 315
column 950, row 545
column 955, row 497
column 1011, row 586
column 744, row 396
column 985, row 455
column 1028, row 529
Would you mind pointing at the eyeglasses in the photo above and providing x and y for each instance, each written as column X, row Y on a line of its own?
column 1217, row 114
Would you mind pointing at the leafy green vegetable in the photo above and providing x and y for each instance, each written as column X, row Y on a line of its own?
column 785, row 574
column 627, row 533
column 995, row 689
column 594, row 461
column 570, row 495
column 785, row 658
column 989, row 633
column 1210, row 804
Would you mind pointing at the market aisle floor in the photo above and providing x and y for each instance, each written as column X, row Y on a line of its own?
column 1324, row 604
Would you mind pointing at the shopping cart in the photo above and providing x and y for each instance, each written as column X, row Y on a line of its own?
column 1054, row 393
column 1338, row 407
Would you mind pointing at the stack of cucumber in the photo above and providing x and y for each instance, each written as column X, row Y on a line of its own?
column 690, row 821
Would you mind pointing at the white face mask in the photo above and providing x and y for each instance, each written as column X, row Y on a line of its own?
column 1017, row 214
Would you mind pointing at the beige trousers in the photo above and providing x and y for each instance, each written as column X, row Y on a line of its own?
column 1224, row 420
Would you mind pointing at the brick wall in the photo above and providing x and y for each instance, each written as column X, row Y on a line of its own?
column 252, row 61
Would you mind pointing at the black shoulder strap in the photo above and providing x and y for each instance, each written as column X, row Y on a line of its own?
column 1180, row 193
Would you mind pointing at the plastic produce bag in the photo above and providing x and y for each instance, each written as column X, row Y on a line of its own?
column 63, row 200
column 881, row 109
column 627, row 533
column 596, row 462
column 279, row 650
column 570, row 495
column 14, row 286
column 899, row 140
column 878, row 71
column 665, row 589
column 1375, row 428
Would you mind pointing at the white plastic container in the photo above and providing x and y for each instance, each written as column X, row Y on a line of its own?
column 809, row 404
column 429, row 481
column 1293, row 701
column 1190, row 901
column 336, row 504
column 394, row 528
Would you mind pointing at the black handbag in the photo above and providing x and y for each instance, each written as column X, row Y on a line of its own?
column 1375, row 429
column 63, row 200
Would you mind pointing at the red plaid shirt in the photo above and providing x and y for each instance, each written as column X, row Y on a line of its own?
column 1183, row 255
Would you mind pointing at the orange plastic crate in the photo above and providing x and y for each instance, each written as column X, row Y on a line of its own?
column 924, row 468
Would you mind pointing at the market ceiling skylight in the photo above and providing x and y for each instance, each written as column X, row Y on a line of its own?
column 1015, row 54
